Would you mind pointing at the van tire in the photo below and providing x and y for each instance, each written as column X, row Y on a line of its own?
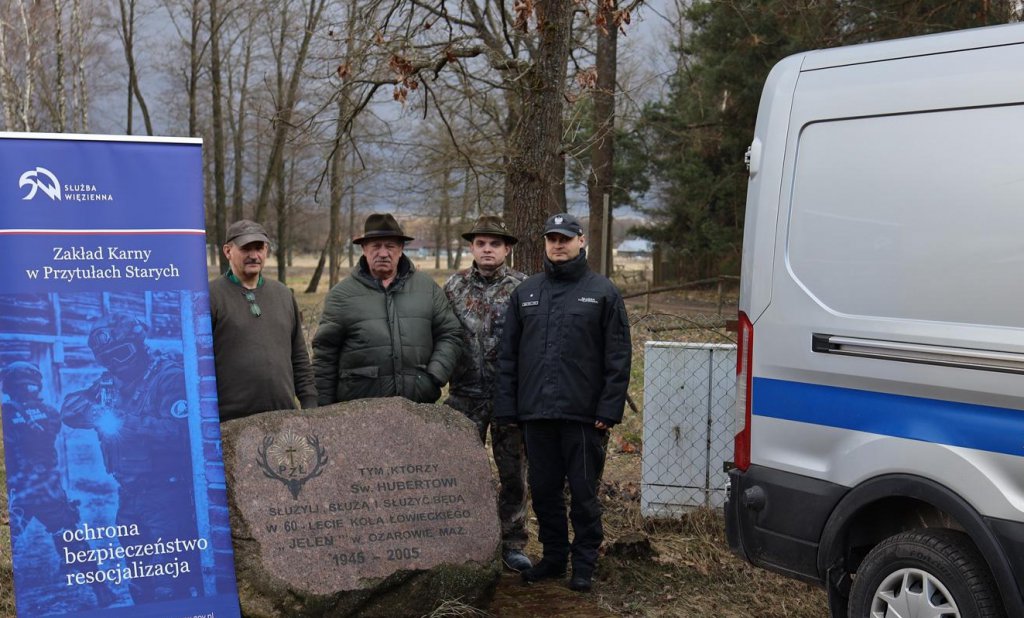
column 944, row 560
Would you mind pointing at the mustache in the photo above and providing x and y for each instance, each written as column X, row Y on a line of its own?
column 253, row 261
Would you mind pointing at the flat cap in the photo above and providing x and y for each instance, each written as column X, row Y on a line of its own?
column 244, row 231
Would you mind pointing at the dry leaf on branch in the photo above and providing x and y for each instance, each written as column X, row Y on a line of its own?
column 622, row 19
column 587, row 78
column 523, row 10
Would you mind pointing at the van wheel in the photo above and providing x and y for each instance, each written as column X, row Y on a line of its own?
column 933, row 572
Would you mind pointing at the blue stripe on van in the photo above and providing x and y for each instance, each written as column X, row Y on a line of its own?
column 987, row 428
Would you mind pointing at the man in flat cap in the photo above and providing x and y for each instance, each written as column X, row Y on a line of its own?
column 259, row 350
column 479, row 296
column 386, row 329
column 563, row 370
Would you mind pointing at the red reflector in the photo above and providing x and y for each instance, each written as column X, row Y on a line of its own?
column 744, row 354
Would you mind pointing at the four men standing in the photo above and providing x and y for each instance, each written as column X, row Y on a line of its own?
column 549, row 354
column 479, row 296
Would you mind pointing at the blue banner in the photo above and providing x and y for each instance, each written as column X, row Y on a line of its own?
column 115, row 484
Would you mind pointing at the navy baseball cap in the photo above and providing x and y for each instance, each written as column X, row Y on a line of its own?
column 564, row 224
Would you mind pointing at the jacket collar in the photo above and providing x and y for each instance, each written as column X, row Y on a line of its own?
column 233, row 279
column 497, row 275
column 571, row 270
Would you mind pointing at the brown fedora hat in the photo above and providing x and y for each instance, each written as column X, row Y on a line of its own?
column 381, row 226
column 490, row 225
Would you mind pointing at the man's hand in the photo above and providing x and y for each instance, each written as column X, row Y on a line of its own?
column 600, row 425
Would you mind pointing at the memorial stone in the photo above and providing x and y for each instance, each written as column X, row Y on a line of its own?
column 374, row 507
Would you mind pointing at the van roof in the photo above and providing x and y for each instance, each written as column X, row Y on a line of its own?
column 945, row 42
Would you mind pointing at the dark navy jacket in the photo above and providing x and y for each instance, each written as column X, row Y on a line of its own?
column 565, row 351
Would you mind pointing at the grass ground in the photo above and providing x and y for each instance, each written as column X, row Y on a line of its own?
column 652, row 568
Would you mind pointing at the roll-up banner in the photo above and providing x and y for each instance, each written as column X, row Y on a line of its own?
column 115, row 484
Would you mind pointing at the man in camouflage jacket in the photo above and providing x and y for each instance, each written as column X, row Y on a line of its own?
column 479, row 296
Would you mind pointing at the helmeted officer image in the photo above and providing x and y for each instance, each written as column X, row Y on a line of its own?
column 31, row 427
column 34, row 477
column 139, row 411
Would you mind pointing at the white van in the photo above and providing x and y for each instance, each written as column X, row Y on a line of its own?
column 881, row 358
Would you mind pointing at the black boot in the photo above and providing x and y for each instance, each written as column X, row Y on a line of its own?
column 545, row 569
column 582, row 578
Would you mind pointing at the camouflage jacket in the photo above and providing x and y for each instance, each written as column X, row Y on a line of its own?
column 480, row 303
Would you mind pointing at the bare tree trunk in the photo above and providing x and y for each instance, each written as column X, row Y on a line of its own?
column 194, row 60
column 337, row 193
column 8, row 98
column 79, row 90
column 601, row 180
column 282, row 225
column 465, row 207
column 60, row 122
column 220, row 192
column 352, row 215
column 287, row 99
column 339, row 162
column 444, row 220
column 314, row 281
column 128, row 42
column 238, row 130
column 26, row 98
column 535, row 140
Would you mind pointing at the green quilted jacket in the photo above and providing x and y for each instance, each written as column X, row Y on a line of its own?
column 374, row 342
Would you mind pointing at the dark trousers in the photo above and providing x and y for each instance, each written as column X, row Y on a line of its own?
column 509, row 458
column 556, row 452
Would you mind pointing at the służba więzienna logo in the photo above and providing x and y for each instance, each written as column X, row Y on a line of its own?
column 40, row 178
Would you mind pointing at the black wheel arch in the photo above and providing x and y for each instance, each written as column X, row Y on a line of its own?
column 887, row 505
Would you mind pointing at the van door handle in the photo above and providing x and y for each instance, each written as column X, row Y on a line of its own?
column 945, row 356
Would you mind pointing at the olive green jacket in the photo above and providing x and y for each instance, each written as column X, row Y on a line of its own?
column 375, row 342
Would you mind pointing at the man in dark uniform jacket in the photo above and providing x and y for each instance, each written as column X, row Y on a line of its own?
column 563, row 373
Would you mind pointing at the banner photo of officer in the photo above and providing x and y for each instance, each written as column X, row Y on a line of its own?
column 114, row 483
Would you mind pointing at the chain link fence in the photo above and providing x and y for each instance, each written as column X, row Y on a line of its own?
column 681, row 416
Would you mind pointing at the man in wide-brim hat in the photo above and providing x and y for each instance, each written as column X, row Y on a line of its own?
column 479, row 296
column 386, row 330
column 381, row 226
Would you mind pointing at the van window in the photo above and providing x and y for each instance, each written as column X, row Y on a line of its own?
column 917, row 216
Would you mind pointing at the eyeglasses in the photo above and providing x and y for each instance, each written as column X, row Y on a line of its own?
column 254, row 309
